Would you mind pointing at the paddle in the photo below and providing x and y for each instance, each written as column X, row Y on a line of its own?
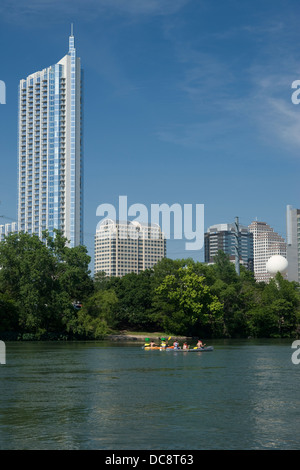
column 165, row 341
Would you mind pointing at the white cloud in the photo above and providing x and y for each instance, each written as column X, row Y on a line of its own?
column 265, row 115
column 229, row 98
column 204, row 136
column 280, row 123
column 24, row 12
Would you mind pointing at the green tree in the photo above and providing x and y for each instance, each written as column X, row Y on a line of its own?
column 27, row 277
column 135, row 293
column 167, row 267
column 193, row 307
column 238, row 294
column 71, row 267
column 42, row 279
column 9, row 314
column 277, row 313
column 96, row 317
column 224, row 268
column 101, row 281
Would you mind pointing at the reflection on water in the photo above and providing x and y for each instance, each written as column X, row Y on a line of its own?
column 243, row 395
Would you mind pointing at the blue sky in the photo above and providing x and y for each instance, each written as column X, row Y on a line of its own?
column 186, row 101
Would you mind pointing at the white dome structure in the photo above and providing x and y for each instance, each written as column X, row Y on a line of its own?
column 277, row 263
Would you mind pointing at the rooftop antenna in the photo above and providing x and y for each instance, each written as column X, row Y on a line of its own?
column 71, row 41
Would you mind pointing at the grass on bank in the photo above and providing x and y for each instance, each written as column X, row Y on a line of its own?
column 141, row 335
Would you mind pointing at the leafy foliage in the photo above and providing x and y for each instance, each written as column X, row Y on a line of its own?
column 193, row 303
column 41, row 283
column 42, row 280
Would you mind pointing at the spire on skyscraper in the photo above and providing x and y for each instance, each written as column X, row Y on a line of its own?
column 71, row 40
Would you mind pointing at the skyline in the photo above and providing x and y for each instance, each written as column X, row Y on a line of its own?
column 180, row 105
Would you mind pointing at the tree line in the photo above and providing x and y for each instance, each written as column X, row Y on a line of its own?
column 47, row 292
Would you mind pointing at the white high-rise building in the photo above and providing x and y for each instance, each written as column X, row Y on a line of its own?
column 50, row 184
column 293, row 243
column 126, row 247
column 7, row 229
column 266, row 243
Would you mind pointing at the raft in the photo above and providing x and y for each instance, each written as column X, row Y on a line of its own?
column 205, row 348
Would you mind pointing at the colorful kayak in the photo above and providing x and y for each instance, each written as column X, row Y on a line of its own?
column 205, row 348
column 171, row 348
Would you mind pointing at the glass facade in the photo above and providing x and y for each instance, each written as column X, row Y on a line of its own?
column 50, row 159
column 72, row 53
column 222, row 237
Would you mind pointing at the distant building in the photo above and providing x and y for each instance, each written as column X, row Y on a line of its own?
column 125, row 247
column 293, row 243
column 266, row 243
column 7, row 229
column 221, row 237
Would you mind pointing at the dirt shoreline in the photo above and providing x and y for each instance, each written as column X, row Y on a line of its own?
column 142, row 338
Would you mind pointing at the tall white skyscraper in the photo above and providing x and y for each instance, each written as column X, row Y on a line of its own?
column 266, row 243
column 50, row 168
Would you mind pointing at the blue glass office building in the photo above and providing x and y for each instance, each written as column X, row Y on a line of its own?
column 50, row 166
column 221, row 237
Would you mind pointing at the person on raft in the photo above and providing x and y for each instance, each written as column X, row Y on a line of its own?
column 200, row 344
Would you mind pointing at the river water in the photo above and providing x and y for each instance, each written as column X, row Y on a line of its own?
column 99, row 395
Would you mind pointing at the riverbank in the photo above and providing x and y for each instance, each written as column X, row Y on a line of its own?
column 141, row 337
column 123, row 335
